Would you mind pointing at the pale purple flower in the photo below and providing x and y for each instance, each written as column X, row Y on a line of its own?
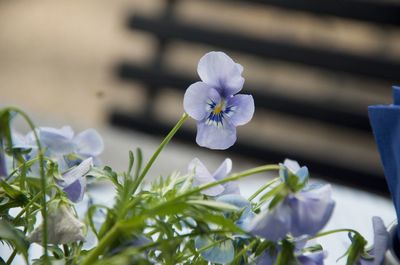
column 73, row 181
column 202, row 176
column 214, row 102
column 302, row 213
column 244, row 205
column 62, row 227
column 381, row 243
column 310, row 258
column 63, row 145
column 292, row 167
column 221, row 253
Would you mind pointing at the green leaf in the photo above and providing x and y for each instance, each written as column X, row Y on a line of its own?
column 131, row 161
column 215, row 205
column 286, row 255
column 356, row 249
column 15, row 236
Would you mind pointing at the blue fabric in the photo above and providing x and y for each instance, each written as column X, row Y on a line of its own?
column 385, row 123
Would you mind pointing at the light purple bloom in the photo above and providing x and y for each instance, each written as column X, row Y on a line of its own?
column 62, row 145
column 202, row 176
column 303, row 213
column 214, row 102
column 381, row 243
column 313, row 258
column 292, row 167
column 73, row 181
column 221, row 253
column 244, row 205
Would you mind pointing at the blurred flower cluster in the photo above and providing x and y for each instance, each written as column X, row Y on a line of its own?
column 197, row 217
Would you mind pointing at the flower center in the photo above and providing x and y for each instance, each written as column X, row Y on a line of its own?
column 218, row 112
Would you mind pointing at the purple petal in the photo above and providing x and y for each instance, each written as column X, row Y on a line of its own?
column 196, row 99
column 219, row 71
column 231, row 187
column 310, row 210
column 244, row 109
column 58, row 141
column 76, row 190
column 272, row 225
column 265, row 259
column 78, row 172
column 213, row 137
column 202, row 176
column 314, row 258
column 381, row 243
column 223, row 170
column 292, row 165
column 89, row 142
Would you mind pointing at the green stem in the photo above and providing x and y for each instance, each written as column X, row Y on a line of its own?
column 12, row 256
column 104, row 242
column 66, row 253
column 333, row 232
column 262, row 189
column 158, row 151
column 32, row 201
column 244, row 250
column 42, row 178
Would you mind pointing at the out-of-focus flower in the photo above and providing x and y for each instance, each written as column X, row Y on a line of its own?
column 293, row 175
column 63, row 227
column 214, row 102
column 302, row 213
column 312, row 258
column 309, row 258
column 245, row 207
column 203, row 176
column 221, row 253
column 73, row 181
column 381, row 243
column 62, row 145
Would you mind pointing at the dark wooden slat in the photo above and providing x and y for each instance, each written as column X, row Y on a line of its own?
column 331, row 172
column 320, row 111
column 376, row 67
column 382, row 12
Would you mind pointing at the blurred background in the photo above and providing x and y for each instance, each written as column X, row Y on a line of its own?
column 122, row 67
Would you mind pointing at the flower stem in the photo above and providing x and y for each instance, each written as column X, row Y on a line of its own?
column 244, row 250
column 266, row 185
column 104, row 242
column 42, row 178
column 11, row 258
column 32, row 201
column 158, row 151
column 333, row 232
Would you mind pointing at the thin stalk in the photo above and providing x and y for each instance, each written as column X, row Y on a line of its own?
column 333, row 232
column 42, row 178
column 158, row 151
column 32, row 201
column 266, row 185
column 104, row 242
column 12, row 256
column 244, row 250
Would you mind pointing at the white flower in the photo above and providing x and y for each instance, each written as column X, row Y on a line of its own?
column 62, row 226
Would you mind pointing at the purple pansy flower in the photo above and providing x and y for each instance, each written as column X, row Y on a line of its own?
column 214, row 102
column 302, row 213
column 309, row 258
column 73, row 181
column 381, row 243
column 203, row 176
